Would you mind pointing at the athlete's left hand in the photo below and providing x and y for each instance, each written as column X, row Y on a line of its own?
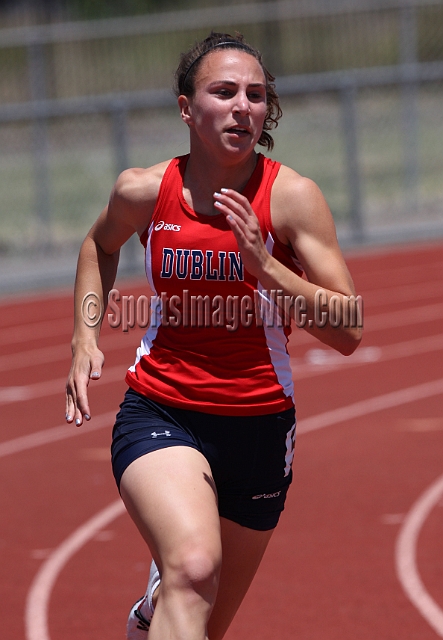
column 246, row 228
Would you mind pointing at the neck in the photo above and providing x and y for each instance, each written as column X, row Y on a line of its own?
column 204, row 176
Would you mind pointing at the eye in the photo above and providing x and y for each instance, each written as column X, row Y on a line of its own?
column 256, row 95
column 224, row 92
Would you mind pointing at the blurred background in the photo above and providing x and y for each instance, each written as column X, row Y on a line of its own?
column 86, row 91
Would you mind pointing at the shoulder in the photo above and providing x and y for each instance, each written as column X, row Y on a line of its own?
column 298, row 206
column 302, row 220
column 139, row 186
column 130, row 207
column 135, row 194
column 292, row 188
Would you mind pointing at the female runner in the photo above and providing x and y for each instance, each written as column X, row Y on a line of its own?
column 203, row 444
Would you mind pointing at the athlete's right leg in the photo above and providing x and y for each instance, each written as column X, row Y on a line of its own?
column 170, row 495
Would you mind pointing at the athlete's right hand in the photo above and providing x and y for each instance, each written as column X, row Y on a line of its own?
column 87, row 363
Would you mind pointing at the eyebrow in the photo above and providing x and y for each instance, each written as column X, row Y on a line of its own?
column 232, row 83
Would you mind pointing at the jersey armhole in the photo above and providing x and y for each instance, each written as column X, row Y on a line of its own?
column 287, row 251
column 160, row 198
column 273, row 168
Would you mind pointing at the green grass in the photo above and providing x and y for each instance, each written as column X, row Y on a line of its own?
column 309, row 139
column 304, row 45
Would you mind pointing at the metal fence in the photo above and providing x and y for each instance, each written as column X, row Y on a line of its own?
column 361, row 85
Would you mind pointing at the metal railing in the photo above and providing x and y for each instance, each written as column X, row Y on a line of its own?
column 408, row 73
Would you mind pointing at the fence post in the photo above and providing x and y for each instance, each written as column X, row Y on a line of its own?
column 40, row 145
column 120, row 137
column 349, row 124
column 121, row 159
column 272, row 45
column 409, row 106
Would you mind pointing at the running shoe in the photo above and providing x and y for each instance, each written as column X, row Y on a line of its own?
column 138, row 623
column 137, row 626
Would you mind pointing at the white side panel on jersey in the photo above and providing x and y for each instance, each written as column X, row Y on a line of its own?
column 148, row 259
column 290, row 450
column 298, row 264
column 155, row 310
column 276, row 340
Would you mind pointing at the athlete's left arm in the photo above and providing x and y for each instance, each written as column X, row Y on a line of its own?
column 302, row 220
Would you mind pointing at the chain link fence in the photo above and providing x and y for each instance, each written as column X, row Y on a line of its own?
column 361, row 86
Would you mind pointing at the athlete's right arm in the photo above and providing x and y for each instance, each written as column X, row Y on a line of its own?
column 129, row 210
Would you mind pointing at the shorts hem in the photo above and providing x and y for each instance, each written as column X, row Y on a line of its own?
column 139, row 452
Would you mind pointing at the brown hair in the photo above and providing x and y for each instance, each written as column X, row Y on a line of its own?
column 190, row 62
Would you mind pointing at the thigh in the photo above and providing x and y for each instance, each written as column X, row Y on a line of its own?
column 251, row 460
column 170, row 495
column 143, row 426
column 243, row 550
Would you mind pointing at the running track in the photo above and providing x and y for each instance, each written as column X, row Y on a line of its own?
column 359, row 551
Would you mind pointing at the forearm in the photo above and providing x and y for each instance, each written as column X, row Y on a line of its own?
column 95, row 276
column 132, row 200
column 96, row 272
column 316, row 247
column 333, row 317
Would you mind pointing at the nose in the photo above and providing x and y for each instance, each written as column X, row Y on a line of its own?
column 241, row 104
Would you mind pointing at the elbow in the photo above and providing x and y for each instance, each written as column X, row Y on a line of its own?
column 350, row 341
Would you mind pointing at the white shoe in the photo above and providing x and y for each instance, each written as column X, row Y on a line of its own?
column 137, row 626
column 138, row 623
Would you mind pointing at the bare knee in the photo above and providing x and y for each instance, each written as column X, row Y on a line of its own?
column 193, row 573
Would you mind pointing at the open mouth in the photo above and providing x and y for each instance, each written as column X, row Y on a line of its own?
column 239, row 131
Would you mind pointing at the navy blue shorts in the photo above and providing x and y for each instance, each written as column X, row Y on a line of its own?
column 250, row 457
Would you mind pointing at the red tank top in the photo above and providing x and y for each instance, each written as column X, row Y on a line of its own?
column 214, row 343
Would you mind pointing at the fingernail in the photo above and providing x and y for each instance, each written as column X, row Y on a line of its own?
column 78, row 422
column 87, row 416
column 224, row 190
column 68, row 417
column 217, row 204
column 95, row 374
column 216, row 194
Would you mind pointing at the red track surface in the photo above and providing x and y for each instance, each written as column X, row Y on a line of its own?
column 330, row 572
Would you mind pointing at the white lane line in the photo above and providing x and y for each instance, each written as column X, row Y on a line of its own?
column 9, row 395
column 38, row 330
column 20, row 331
column 403, row 273
column 406, row 556
column 58, row 353
column 371, row 405
column 403, row 293
column 322, row 361
column 37, row 602
column 383, row 321
column 54, row 434
column 301, row 367
column 393, row 399
column 119, row 340
column 403, row 317
column 329, row 357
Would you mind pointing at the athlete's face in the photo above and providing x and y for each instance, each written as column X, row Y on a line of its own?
column 228, row 108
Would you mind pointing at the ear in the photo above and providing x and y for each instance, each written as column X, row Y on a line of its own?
column 184, row 104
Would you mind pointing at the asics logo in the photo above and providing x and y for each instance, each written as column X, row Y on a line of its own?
column 266, row 495
column 166, row 227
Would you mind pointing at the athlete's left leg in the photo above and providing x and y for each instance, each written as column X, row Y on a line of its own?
column 242, row 552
